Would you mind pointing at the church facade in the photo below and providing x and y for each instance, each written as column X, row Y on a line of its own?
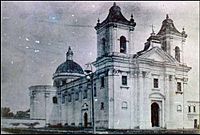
column 144, row 89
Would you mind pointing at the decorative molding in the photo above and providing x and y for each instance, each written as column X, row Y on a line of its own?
column 179, row 92
column 144, row 74
column 154, row 74
column 193, row 101
column 131, row 29
column 155, row 89
column 115, row 72
column 126, row 87
column 185, row 79
column 156, row 95
column 170, row 77
column 179, row 78
column 111, row 99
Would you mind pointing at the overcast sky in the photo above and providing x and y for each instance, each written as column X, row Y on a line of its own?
column 36, row 35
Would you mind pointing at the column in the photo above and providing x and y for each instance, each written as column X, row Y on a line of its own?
column 135, row 100
column 132, row 106
column 131, row 44
column 147, row 91
column 146, row 112
column 111, row 111
column 114, row 39
column 141, row 101
column 184, row 108
column 171, row 100
column 138, row 99
column 167, row 100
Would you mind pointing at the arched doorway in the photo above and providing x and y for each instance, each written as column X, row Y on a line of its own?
column 85, row 119
column 155, row 115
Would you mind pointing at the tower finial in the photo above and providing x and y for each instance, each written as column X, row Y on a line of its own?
column 152, row 26
column 98, row 22
column 114, row 4
column 131, row 16
column 69, row 54
column 167, row 16
column 183, row 33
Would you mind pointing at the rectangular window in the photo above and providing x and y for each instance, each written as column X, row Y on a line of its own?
column 63, row 98
column 69, row 97
column 124, row 80
column 179, row 108
column 55, row 101
column 155, row 83
column 102, row 82
column 178, row 86
column 95, row 90
column 85, row 94
column 77, row 96
column 189, row 109
column 124, row 105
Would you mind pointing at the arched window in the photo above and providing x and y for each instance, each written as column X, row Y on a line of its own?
column 189, row 109
column 77, row 96
column 124, row 105
column 63, row 98
column 179, row 108
column 104, row 46
column 95, row 90
column 164, row 46
column 102, row 106
column 122, row 44
column 69, row 97
column 61, row 82
column 194, row 108
column 177, row 53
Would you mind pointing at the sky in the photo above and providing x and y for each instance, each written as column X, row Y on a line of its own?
column 36, row 35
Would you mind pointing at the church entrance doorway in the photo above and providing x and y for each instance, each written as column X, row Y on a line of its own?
column 155, row 114
column 85, row 119
column 195, row 123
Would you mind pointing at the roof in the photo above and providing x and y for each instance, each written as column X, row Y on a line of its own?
column 69, row 66
column 168, row 27
column 115, row 15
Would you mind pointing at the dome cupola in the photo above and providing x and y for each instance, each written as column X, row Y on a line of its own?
column 69, row 66
column 168, row 27
column 115, row 16
column 68, row 70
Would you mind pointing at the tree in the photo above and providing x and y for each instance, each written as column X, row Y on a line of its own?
column 5, row 112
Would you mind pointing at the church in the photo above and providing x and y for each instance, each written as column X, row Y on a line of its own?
column 128, row 89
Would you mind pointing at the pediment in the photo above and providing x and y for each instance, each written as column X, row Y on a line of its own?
column 157, row 54
column 156, row 95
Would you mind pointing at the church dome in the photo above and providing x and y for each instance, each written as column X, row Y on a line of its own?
column 115, row 16
column 69, row 66
column 168, row 27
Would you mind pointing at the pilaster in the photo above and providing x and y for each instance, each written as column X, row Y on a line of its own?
column 141, row 99
column 167, row 100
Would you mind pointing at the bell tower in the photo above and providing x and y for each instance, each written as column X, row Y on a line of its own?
column 172, row 41
column 115, row 48
column 115, row 34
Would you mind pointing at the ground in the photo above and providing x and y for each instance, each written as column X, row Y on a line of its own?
column 89, row 131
